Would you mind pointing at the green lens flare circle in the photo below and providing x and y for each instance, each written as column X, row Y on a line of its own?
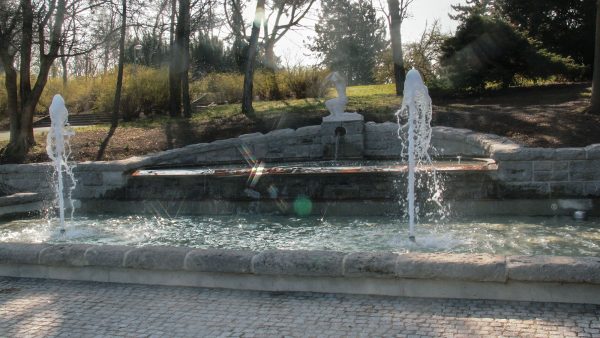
column 302, row 206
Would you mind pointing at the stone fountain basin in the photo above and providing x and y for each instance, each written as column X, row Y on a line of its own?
column 471, row 276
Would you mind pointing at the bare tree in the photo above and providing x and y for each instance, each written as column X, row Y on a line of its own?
column 288, row 14
column 180, row 62
column 118, row 88
column 47, row 23
column 9, row 32
column 424, row 53
column 36, row 43
column 247, row 108
column 398, row 11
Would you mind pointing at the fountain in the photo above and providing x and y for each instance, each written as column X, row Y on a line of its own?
column 59, row 150
column 416, row 106
column 248, row 212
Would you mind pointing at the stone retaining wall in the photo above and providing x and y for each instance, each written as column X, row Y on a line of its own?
column 523, row 172
column 538, row 278
column 564, row 172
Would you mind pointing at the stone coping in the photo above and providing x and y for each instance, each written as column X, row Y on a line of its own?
column 306, row 263
column 486, row 145
column 21, row 198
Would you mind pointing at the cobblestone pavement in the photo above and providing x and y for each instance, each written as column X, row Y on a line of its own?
column 49, row 308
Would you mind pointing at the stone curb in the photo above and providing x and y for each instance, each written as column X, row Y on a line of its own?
column 468, row 267
column 219, row 260
column 554, row 269
column 299, row 263
column 305, row 263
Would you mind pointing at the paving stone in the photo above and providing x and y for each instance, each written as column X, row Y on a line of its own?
column 48, row 308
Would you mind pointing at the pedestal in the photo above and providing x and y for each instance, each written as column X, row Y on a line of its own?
column 347, row 131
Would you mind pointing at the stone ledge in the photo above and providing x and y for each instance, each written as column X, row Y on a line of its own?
column 468, row 267
column 20, row 198
column 298, row 263
column 219, row 260
column 106, row 255
column 370, row 264
column 43, row 168
column 554, row 269
column 156, row 258
column 20, row 253
column 305, row 263
column 64, row 255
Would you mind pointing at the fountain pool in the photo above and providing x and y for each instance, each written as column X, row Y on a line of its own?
column 561, row 236
column 327, row 208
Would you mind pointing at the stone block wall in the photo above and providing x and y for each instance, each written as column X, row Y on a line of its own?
column 563, row 172
column 279, row 145
column 27, row 177
column 381, row 142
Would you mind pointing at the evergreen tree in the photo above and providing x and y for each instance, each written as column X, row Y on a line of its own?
column 565, row 27
column 487, row 49
column 471, row 8
column 350, row 36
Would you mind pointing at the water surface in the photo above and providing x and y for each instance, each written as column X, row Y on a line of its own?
column 498, row 235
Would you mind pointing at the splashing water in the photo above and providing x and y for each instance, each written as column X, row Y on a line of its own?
column 416, row 138
column 59, row 150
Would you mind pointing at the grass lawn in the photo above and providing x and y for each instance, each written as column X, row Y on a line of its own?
column 545, row 116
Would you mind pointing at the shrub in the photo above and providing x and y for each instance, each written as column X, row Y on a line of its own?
column 225, row 87
column 305, row 82
column 297, row 82
column 79, row 94
column 146, row 89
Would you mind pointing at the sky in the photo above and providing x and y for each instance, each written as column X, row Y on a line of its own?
column 292, row 50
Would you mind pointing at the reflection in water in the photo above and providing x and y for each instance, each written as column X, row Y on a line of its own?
column 501, row 235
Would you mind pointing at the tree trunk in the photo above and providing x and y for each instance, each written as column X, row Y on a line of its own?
column 271, row 63
column 247, row 108
column 184, row 15
column 174, row 69
column 117, row 101
column 65, row 75
column 595, row 101
column 17, row 147
column 26, row 44
column 270, row 58
column 114, row 123
column 396, row 38
column 21, row 138
column 12, row 88
column 174, row 82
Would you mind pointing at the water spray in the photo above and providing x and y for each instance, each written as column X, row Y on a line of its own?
column 416, row 106
column 58, row 149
